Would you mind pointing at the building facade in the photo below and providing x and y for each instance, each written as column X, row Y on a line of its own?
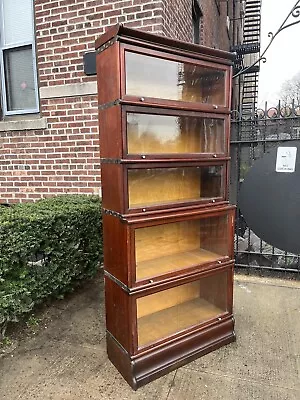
column 49, row 140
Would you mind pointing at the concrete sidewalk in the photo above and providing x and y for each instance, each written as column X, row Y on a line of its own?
column 66, row 358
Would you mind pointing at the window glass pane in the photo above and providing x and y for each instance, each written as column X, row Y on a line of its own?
column 18, row 21
column 20, row 87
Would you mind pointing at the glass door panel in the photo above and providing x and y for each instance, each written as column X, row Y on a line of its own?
column 173, row 310
column 166, row 134
column 161, row 186
column 171, row 80
column 175, row 246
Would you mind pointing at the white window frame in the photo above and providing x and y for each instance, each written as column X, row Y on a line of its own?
column 17, row 45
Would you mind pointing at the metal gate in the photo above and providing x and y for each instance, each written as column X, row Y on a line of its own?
column 252, row 136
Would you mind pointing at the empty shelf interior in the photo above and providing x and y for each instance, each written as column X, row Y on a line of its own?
column 166, row 322
column 174, row 262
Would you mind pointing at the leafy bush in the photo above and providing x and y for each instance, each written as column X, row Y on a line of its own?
column 46, row 248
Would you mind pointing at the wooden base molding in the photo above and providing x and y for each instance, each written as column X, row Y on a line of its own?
column 144, row 368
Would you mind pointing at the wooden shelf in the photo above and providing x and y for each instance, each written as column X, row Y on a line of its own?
column 166, row 322
column 174, row 262
column 166, row 202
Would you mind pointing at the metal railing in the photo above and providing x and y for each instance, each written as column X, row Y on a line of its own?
column 251, row 137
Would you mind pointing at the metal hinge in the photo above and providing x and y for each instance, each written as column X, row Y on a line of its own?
column 117, row 281
column 106, row 45
column 112, row 213
column 110, row 161
column 110, row 104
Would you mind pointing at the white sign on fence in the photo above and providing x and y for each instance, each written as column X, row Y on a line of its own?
column 286, row 159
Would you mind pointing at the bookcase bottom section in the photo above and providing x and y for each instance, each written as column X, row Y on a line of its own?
column 144, row 368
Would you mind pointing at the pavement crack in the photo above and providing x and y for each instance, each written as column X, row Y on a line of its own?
column 172, row 384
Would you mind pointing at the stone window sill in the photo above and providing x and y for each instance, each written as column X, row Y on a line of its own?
column 23, row 124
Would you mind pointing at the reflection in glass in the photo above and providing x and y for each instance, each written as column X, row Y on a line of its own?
column 170, row 311
column 159, row 78
column 20, row 82
column 159, row 186
column 169, row 247
column 163, row 134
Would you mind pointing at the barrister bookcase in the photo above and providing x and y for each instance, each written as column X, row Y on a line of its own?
column 167, row 225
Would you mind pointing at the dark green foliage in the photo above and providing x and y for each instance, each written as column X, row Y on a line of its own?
column 46, row 248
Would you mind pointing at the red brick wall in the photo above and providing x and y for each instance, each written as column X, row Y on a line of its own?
column 177, row 22
column 215, row 32
column 177, row 19
column 67, row 29
column 61, row 159
column 64, row 157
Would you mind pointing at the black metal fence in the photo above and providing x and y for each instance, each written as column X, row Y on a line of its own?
column 251, row 137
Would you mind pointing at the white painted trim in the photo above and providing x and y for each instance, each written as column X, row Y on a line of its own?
column 74, row 89
column 3, row 71
column 23, row 124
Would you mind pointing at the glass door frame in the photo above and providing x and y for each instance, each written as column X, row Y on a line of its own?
column 222, row 317
column 183, row 203
column 173, row 113
column 190, row 215
column 150, row 101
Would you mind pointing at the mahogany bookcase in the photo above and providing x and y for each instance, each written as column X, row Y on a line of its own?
column 167, row 226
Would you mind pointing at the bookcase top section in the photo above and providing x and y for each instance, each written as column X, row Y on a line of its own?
column 133, row 36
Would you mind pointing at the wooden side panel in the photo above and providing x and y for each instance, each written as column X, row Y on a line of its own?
column 110, row 132
column 121, row 360
column 118, row 315
column 112, row 187
column 108, row 74
column 116, row 248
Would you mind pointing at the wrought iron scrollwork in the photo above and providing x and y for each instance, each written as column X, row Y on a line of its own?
column 295, row 12
column 281, row 111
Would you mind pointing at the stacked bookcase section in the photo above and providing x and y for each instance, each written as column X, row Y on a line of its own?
column 168, row 228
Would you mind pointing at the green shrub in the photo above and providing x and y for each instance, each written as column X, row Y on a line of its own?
column 46, row 248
